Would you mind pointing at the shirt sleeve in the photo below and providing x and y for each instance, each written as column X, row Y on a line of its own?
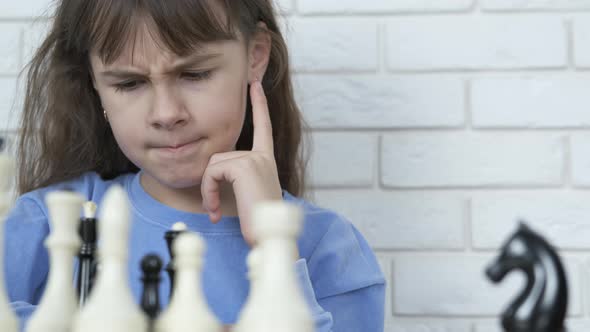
column 26, row 261
column 346, row 282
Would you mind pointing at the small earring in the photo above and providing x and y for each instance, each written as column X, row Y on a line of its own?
column 104, row 112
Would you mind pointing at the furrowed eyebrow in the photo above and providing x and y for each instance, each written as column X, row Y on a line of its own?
column 179, row 66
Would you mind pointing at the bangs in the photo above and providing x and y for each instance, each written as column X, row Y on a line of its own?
column 180, row 26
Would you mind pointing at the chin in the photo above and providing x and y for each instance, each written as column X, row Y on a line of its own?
column 178, row 179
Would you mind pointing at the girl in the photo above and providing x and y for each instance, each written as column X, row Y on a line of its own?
column 188, row 105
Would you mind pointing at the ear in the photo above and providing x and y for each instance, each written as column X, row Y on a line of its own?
column 259, row 52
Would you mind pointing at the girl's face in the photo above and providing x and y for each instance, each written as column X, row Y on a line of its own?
column 168, row 114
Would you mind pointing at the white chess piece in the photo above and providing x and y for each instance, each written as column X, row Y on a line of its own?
column 58, row 303
column 254, row 263
column 188, row 309
column 110, row 306
column 179, row 226
column 8, row 320
column 277, row 303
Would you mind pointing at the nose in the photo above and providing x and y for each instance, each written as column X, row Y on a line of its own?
column 167, row 109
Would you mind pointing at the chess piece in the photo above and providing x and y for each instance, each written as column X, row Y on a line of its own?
column 151, row 265
column 254, row 264
column 111, row 306
column 86, row 259
column 277, row 302
column 8, row 320
column 170, row 236
column 188, row 310
column 542, row 305
column 58, row 303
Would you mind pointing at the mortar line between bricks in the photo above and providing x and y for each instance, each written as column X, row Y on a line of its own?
column 458, row 70
column 454, row 129
column 468, row 104
column 378, row 158
column 385, row 131
column 570, row 45
column 381, row 49
column 468, row 223
column 388, row 73
column 475, row 187
column 567, row 162
column 533, row 12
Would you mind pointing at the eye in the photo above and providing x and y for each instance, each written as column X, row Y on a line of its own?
column 127, row 86
column 197, row 76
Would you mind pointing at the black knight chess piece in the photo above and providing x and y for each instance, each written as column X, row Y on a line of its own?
column 541, row 306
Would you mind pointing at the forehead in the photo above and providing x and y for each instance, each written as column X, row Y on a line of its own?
column 130, row 31
column 144, row 48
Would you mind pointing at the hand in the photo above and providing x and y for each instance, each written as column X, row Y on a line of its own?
column 252, row 174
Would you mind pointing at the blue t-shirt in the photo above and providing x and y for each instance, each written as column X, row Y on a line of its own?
column 338, row 272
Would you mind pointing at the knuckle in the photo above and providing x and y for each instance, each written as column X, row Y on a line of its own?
column 249, row 163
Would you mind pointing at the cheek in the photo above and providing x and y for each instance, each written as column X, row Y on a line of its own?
column 126, row 136
column 220, row 109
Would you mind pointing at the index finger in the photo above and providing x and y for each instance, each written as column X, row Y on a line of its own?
column 261, row 118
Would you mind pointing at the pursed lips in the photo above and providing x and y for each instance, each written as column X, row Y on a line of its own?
column 175, row 145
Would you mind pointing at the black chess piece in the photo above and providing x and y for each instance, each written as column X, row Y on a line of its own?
column 86, row 259
column 170, row 236
column 151, row 265
column 542, row 304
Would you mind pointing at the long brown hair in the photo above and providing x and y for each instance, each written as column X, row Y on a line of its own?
column 63, row 133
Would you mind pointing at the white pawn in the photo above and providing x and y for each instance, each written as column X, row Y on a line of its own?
column 8, row 320
column 188, row 310
column 110, row 306
column 254, row 263
column 277, row 303
column 58, row 304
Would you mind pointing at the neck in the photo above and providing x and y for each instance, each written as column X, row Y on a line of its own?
column 188, row 199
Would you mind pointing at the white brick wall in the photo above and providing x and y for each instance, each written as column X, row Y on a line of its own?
column 437, row 124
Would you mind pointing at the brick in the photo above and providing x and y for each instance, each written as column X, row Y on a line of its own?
column 523, row 5
column 343, row 160
column 455, row 285
column 471, row 160
column 533, row 102
column 10, row 48
column 333, row 44
column 336, row 101
column 382, row 6
column 581, row 41
column 580, row 159
column 401, row 220
column 562, row 217
column 26, row 8
column 475, row 43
